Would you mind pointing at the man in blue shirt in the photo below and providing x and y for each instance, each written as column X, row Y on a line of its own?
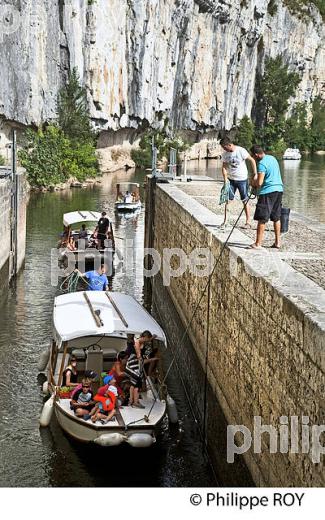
column 270, row 190
column 97, row 280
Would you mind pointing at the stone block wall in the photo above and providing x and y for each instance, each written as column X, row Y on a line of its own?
column 6, row 223
column 263, row 350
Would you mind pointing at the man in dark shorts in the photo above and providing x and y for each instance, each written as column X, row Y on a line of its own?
column 270, row 190
column 102, row 229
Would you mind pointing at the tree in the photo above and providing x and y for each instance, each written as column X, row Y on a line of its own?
column 245, row 133
column 273, row 90
column 73, row 112
column 51, row 158
column 296, row 132
column 317, row 127
column 142, row 155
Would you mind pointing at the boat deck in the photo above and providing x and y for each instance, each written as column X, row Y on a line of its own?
column 126, row 414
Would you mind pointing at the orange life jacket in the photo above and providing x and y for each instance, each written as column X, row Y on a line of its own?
column 107, row 401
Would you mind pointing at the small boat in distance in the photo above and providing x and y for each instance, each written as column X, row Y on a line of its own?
column 93, row 326
column 127, row 196
column 79, row 229
column 292, row 154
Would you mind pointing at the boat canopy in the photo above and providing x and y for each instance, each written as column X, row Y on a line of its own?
column 125, row 184
column 80, row 216
column 98, row 313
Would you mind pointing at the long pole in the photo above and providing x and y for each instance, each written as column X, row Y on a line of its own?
column 14, row 204
column 185, row 167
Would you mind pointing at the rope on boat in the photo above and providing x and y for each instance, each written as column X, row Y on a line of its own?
column 70, row 283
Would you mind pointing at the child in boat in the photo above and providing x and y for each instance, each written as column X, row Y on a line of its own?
column 89, row 374
column 106, row 398
column 119, row 374
column 83, row 402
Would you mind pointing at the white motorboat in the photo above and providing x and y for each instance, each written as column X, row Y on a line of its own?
column 86, row 249
column 127, row 196
column 93, row 326
column 292, row 154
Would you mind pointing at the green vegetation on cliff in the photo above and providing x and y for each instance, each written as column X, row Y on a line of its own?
column 53, row 154
column 142, row 155
column 300, row 7
column 271, row 126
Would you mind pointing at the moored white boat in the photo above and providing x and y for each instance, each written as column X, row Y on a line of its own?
column 292, row 154
column 94, row 327
column 127, row 196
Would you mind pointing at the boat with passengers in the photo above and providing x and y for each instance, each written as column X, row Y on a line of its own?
column 292, row 154
column 93, row 327
column 79, row 239
column 128, row 196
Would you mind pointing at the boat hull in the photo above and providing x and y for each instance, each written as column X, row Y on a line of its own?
column 123, row 206
column 86, row 432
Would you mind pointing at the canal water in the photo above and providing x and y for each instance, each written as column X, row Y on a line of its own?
column 46, row 457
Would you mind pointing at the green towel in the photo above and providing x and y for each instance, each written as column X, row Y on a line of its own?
column 224, row 194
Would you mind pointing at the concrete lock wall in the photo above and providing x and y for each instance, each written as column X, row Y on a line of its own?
column 6, row 219
column 265, row 341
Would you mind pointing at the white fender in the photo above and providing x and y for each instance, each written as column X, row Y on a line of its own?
column 45, row 387
column 141, row 440
column 43, row 360
column 109, row 439
column 172, row 410
column 47, row 412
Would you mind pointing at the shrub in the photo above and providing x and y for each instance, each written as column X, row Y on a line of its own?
column 51, row 158
column 2, row 160
column 142, row 155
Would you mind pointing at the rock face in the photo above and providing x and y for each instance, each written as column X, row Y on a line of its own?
column 191, row 61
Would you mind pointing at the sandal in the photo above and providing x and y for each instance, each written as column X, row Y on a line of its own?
column 275, row 247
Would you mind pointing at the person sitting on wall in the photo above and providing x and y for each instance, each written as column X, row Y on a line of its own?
column 83, row 402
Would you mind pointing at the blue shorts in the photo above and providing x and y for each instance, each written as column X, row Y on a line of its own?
column 241, row 186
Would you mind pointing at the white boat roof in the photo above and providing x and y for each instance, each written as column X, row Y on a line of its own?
column 128, row 184
column 73, row 318
column 80, row 216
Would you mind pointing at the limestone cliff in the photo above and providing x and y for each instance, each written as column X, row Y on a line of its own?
column 193, row 61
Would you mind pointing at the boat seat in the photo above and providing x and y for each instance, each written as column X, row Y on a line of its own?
column 79, row 353
column 94, row 359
